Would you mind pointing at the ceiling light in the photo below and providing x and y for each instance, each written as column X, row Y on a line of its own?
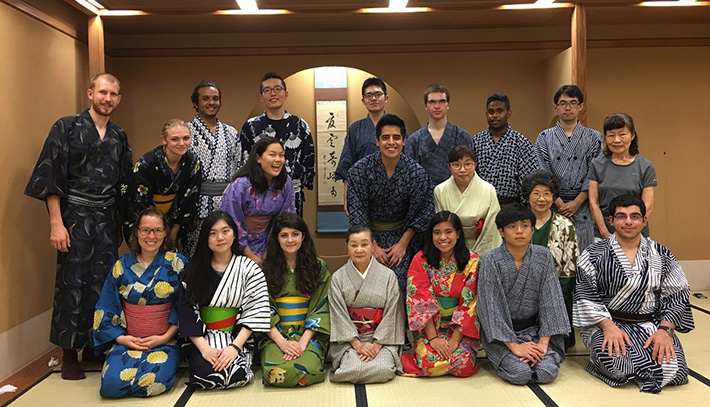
column 392, row 10
column 678, row 3
column 88, row 6
column 250, row 13
column 398, row 5
column 248, row 5
column 539, row 4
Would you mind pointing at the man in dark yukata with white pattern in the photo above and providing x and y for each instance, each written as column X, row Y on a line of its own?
column 81, row 174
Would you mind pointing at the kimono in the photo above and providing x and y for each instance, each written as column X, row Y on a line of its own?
column 559, row 236
column 570, row 159
column 368, row 309
column 254, row 213
column 293, row 312
column 300, row 154
column 505, row 163
column 152, row 291
column 391, row 205
column 434, row 157
column 88, row 174
column 654, row 286
column 477, row 208
column 240, row 299
column 154, row 183
column 359, row 142
column 220, row 156
column 521, row 305
column 447, row 297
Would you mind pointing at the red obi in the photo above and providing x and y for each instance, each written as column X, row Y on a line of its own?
column 147, row 320
column 365, row 319
column 257, row 224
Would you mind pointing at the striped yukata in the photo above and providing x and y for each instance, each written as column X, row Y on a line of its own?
column 570, row 159
column 655, row 284
column 240, row 299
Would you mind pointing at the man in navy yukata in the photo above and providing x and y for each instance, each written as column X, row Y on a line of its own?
column 360, row 138
column 430, row 145
column 81, row 174
column 290, row 129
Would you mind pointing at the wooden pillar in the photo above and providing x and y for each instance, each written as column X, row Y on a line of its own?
column 579, row 52
column 97, row 58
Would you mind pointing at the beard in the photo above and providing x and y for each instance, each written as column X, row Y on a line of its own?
column 102, row 110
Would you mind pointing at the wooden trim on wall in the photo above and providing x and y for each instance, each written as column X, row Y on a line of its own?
column 649, row 43
column 45, row 18
column 579, row 52
column 97, row 58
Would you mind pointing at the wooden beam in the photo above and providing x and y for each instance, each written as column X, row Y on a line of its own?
column 97, row 58
column 579, row 52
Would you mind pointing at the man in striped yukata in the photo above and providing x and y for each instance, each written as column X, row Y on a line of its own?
column 630, row 298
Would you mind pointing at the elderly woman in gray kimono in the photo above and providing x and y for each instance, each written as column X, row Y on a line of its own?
column 520, row 306
column 366, row 316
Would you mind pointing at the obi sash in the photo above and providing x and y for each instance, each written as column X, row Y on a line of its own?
column 213, row 188
column 520, row 324
column 628, row 318
column 257, row 224
column 81, row 198
column 164, row 202
column 292, row 310
column 365, row 319
column 378, row 226
column 473, row 231
column 220, row 319
column 447, row 305
column 147, row 320
column 568, row 194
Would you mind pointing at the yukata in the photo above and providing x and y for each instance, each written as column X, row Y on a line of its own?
column 570, row 159
column 366, row 307
column 174, row 194
column 477, row 208
column 558, row 235
column 447, row 297
column 295, row 135
column 391, row 205
column 432, row 156
column 359, row 142
column 292, row 313
column 240, row 299
column 636, row 298
column 521, row 305
column 220, row 156
column 505, row 163
column 89, row 174
column 139, row 301
column 254, row 213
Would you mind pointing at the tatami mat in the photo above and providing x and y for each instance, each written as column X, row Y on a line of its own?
column 695, row 344
column 703, row 303
column 255, row 394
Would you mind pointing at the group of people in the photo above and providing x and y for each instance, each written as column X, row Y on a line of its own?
column 464, row 241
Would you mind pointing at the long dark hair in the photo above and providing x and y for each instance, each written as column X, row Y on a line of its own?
column 252, row 169
column 133, row 240
column 432, row 254
column 274, row 266
column 197, row 271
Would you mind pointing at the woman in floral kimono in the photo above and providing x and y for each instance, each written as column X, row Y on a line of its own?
column 293, row 352
column 136, row 316
column 554, row 231
column 223, row 299
column 441, row 302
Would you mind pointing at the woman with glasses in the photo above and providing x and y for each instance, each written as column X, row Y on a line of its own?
column 554, row 231
column 136, row 316
column 619, row 171
column 472, row 199
column 169, row 178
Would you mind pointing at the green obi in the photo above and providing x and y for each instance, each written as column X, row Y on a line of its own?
column 220, row 319
column 447, row 306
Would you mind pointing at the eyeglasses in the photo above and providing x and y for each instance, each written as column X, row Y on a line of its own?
column 633, row 216
column 158, row 232
column 275, row 89
column 571, row 103
column 432, row 102
column 457, row 166
column 537, row 195
column 375, row 95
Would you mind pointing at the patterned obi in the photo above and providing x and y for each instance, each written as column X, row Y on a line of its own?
column 164, row 202
column 292, row 310
column 257, row 224
column 81, row 198
column 568, row 194
column 473, row 231
column 213, row 188
column 365, row 319
column 447, row 305
column 146, row 320
column 379, row 226
column 220, row 319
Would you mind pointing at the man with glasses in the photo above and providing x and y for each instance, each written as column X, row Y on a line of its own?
column 430, row 145
column 567, row 150
column 360, row 138
column 631, row 296
column 291, row 130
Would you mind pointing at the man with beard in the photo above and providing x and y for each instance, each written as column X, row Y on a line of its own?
column 219, row 150
column 504, row 155
column 80, row 174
